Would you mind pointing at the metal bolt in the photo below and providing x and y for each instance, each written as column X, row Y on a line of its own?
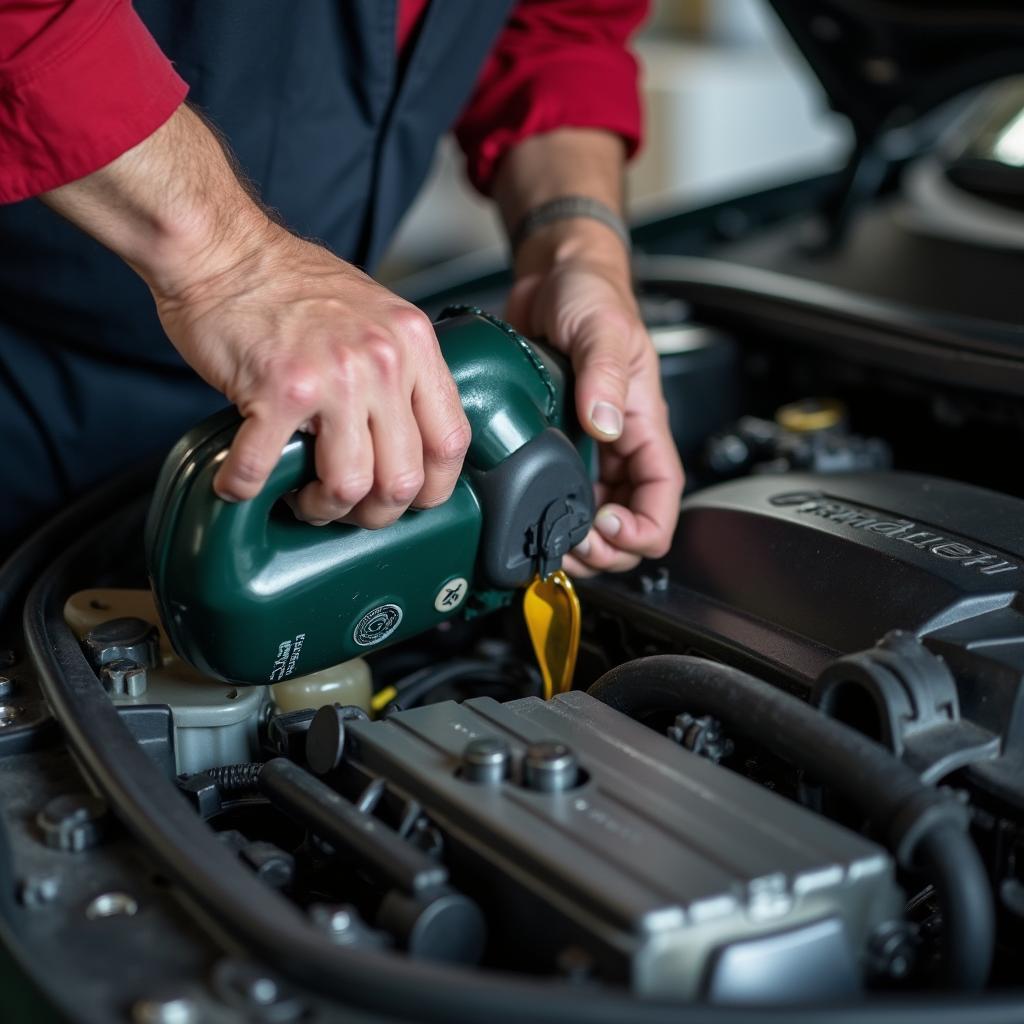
column 38, row 890
column 891, row 950
column 127, row 639
column 9, row 715
column 550, row 767
column 124, row 678
column 247, row 987
column 7, row 686
column 273, row 865
column 73, row 822
column 486, row 760
column 175, row 1009
column 344, row 926
column 335, row 920
column 112, row 904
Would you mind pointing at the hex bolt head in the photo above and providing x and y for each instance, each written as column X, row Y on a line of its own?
column 7, row 686
column 126, row 639
column 73, row 822
column 486, row 760
column 550, row 767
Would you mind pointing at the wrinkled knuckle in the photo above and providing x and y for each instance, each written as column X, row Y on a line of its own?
column 347, row 490
column 383, row 352
column 620, row 320
column 339, row 356
column 297, row 387
column 403, row 487
column 616, row 323
column 609, row 363
column 412, row 323
column 453, row 446
column 248, row 468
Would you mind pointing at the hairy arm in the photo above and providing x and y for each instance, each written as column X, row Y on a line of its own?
column 295, row 337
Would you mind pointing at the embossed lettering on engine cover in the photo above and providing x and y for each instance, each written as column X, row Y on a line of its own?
column 906, row 531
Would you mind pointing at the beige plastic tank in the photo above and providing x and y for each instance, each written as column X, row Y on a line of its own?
column 215, row 723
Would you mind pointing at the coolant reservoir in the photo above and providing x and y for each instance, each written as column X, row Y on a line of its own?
column 215, row 723
column 347, row 683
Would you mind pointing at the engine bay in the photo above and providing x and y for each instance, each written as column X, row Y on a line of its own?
column 424, row 807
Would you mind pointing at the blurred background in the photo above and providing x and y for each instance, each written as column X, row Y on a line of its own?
column 730, row 105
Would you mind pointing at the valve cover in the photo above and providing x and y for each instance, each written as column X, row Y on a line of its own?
column 603, row 844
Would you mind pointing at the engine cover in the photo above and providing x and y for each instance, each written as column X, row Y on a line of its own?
column 793, row 570
column 649, row 865
column 782, row 575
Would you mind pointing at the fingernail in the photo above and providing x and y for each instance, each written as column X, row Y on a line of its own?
column 583, row 548
column 318, row 522
column 224, row 495
column 608, row 523
column 606, row 418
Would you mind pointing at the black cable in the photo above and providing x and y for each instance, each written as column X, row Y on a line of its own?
column 918, row 822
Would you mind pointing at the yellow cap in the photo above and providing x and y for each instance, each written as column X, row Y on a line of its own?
column 810, row 415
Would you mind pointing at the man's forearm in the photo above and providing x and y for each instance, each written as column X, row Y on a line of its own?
column 296, row 338
column 172, row 207
column 569, row 161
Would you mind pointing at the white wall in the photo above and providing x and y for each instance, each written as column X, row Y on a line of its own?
column 736, row 109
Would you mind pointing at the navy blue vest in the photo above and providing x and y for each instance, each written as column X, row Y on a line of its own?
column 336, row 133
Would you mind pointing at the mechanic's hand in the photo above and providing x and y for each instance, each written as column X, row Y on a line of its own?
column 300, row 340
column 585, row 307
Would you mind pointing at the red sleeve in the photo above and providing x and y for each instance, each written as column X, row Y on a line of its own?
column 557, row 63
column 81, row 82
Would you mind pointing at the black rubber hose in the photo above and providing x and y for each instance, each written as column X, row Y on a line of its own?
column 965, row 899
column 924, row 827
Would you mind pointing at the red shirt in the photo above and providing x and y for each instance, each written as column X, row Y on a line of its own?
column 82, row 81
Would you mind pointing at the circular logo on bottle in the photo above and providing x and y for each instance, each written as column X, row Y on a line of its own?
column 377, row 625
column 451, row 594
